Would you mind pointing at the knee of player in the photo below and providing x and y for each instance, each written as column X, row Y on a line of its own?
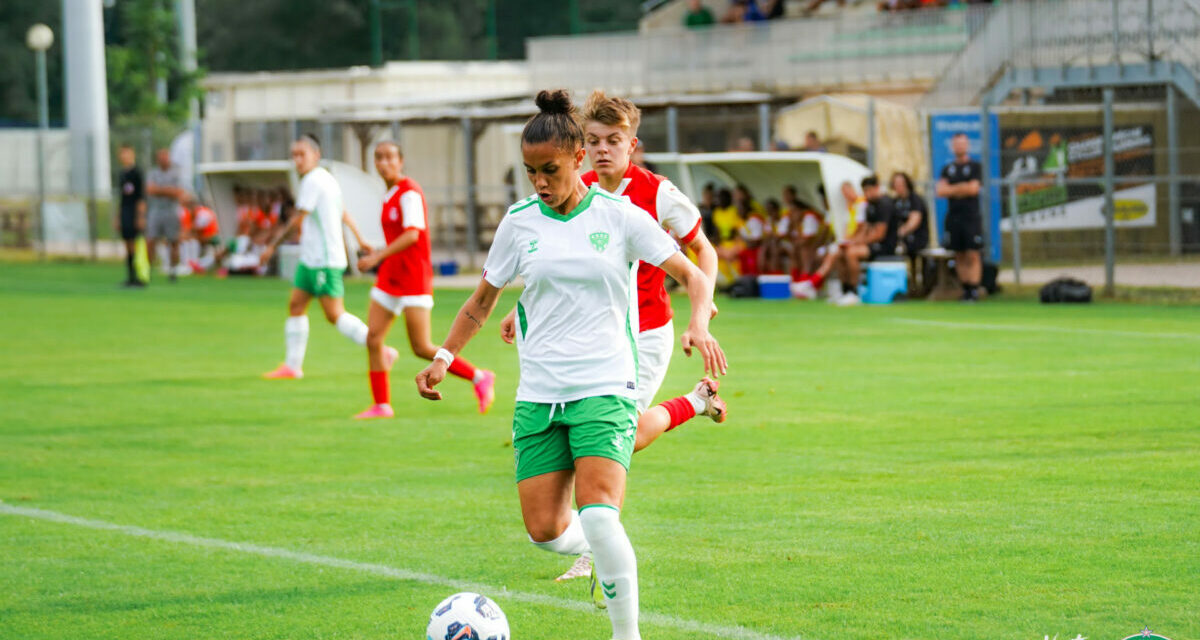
column 375, row 339
column 545, row 531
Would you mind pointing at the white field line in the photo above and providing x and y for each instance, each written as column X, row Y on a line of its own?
column 1045, row 329
column 656, row 619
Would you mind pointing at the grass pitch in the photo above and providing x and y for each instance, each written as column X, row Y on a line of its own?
column 1003, row 470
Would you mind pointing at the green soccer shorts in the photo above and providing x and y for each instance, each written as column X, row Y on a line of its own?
column 549, row 437
column 319, row 282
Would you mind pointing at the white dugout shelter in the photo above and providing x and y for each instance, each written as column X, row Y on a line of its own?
column 765, row 173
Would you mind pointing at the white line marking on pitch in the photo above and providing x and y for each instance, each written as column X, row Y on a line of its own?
column 1043, row 329
column 656, row 619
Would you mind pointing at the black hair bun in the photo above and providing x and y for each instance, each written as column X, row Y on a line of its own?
column 556, row 101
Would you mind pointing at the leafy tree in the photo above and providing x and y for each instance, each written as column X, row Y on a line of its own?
column 18, row 80
column 144, row 47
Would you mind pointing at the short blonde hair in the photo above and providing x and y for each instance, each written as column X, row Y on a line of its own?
column 614, row 112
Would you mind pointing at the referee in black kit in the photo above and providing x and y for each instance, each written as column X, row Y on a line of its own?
column 960, row 186
column 132, row 221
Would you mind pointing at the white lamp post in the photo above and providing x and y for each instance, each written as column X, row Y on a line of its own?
column 39, row 38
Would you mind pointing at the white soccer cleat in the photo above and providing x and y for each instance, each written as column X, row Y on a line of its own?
column 849, row 300
column 389, row 357
column 804, row 290
column 581, row 569
column 714, row 406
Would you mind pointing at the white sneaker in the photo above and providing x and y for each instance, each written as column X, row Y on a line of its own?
column 581, row 569
column 804, row 290
column 849, row 300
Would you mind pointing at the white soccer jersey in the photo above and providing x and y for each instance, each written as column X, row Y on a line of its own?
column 321, row 242
column 577, row 318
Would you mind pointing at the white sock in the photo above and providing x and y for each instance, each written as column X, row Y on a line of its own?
column 696, row 400
column 616, row 567
column 295, row 333
column 352, row 328
column 570, row 543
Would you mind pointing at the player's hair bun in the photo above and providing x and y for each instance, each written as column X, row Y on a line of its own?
column 555, row 121
column 554, row 102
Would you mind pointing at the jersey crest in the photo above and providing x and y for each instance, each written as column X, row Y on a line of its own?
column 599, row 241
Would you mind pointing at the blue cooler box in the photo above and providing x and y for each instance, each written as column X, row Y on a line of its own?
column 884, row 281
column 448, row 268
column 775, row 287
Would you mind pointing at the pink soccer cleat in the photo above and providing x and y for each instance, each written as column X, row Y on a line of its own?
column 389, row 357
column 714, row 406
column 377, row 411
column 284, row 372
column 485, row 391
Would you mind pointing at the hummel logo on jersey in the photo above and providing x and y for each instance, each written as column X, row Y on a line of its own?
column 599, row 241
column 532, row 246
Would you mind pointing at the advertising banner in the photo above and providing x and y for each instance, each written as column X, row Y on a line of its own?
column 1044, row 156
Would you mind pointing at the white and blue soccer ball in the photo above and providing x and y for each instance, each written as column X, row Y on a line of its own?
column 467, row 616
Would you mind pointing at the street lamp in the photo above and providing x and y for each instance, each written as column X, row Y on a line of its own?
column 38, row 39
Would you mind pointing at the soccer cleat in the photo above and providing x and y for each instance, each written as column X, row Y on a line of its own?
column 389, row 357
column 485, row 391
column 594, row 587
column 376, row 411
column 804, row 290
column 848, row 300
column 581, row 569
column 196, row 267
column 284, row 372
column 714, row 406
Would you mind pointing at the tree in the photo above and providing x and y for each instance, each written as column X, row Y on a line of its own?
column 18, row 82
column 142, row 52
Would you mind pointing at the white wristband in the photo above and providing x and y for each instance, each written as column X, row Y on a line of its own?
column 444, row 356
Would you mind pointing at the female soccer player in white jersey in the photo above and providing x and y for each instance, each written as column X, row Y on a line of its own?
column 610, row 136
column 404, row 285
column 320, row 214
column 610, row 127
column 576, row 418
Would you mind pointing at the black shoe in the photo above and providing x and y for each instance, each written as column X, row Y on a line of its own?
column 134, row 284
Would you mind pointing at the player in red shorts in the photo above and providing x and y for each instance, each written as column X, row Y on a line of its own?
column 404, row 284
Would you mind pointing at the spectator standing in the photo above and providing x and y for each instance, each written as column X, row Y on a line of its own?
column 959, row 185
column 698, row 16
column 164, row 186
column 132, row 221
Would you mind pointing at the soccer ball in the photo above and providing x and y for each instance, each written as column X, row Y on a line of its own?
column 467, row 616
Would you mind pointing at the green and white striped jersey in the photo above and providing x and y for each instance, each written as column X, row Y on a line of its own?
column 577, row 318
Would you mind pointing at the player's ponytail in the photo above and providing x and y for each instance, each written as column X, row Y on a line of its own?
column 556, row 121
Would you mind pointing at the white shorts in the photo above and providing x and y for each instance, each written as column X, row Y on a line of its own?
column 654, row 356
column 397, row 304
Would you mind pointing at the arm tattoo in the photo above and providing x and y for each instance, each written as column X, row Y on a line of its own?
column 473, row 319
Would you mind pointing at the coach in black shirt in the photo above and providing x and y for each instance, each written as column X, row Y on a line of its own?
column 874, row 236
column 132, row 220
column 959, row 185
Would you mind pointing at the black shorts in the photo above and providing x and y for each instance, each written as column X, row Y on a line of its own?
column 129, row 230
column 879, row 249
column 965, row 232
